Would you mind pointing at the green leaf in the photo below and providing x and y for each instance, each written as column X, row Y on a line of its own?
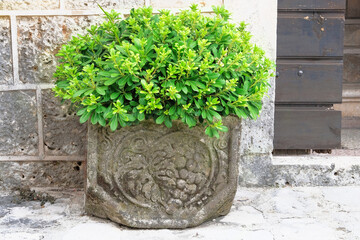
column 110, row 81
column 137, row 43
column 223, row 129
column 215, row 114
column 114, row 75
column 219, row 83
column 215, row 133
column 100, row 109
column 194, row 87
column 213, row 75
column 168, row 122
column 122, row 81
column 114, row 95
column 104, row 74
column 128, row 96
column 172, row 110
column 246, row 86
column 203, row 114
column 102, row 121
column 88, row 92
column 114, row 123
column 192, row 44
column 215, row 52
column 240, row 113
column 208, row 131
column 190, row 121
column 160, row 119
column 94, row 118
column 62, row 84
column 197, row 104
column 78, row 93
column 141, row 116
column 81, row 111
column 92, row 107
column 101, row 90
column 254, row 112
column 131, row 117
column 185, row 89
column 85, row 117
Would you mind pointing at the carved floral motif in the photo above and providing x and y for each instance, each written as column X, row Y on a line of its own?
column 150, row 172
column 158, row 171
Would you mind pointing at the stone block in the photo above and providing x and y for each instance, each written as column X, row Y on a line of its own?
column 40, row 38
column 41, row 174
column 255, row 170
column 257, row 135
column 106, row 4
column 63, row 134
column 183, row 4
column 261, row 17
column 349, row 109
column 5, row 51
column 352, row 35
column 351, row 68
column 151, row 176
column 261, row 170
column 315, row 175
column 29, row 4
column 18, row 123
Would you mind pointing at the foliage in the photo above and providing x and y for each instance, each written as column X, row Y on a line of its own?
column 166, row 67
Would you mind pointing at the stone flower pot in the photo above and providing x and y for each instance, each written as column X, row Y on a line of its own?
column 150, row 176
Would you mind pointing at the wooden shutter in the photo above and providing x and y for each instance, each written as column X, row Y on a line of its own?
column 309, row 74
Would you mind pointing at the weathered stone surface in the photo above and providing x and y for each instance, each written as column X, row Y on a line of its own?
column 18, row 123
column 352, row 35
column 259, row 170
column 183, row 3
column 351, row 68
column 5, row 51
column 106, row 4
column 255, row 170
column 322, row 213
column 63, row 134
column 257, row 135
column 149, row 176
column 316, row 171
column 28, row 4
column 41, row 174
column 261, row 17
column 40, row 38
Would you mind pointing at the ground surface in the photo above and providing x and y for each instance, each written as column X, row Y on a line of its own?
column 311, row 213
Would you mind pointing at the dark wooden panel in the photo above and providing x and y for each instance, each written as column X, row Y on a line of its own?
column 353, row 9
column 307, row 129
column 311, row 4
column 309, row 81
column 310, row 35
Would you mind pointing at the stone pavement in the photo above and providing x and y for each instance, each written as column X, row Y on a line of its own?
column 290, row 213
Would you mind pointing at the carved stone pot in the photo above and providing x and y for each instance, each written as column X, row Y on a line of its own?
column 150, row 176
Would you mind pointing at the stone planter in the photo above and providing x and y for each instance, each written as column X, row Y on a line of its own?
column 150, row 176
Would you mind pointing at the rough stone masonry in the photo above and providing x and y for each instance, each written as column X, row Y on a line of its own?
column 42, row 143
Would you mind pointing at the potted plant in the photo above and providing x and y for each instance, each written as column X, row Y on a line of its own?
column 164, row 94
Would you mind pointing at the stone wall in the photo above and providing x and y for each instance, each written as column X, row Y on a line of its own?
column 42, row 143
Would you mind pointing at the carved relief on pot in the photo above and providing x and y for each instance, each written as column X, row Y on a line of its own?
column 161, row 174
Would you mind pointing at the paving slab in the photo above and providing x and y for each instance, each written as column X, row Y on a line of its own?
column 289, row 213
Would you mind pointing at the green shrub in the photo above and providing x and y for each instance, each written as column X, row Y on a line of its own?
column 166, row 67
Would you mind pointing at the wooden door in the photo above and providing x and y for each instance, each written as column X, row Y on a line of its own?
column 309, row 74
